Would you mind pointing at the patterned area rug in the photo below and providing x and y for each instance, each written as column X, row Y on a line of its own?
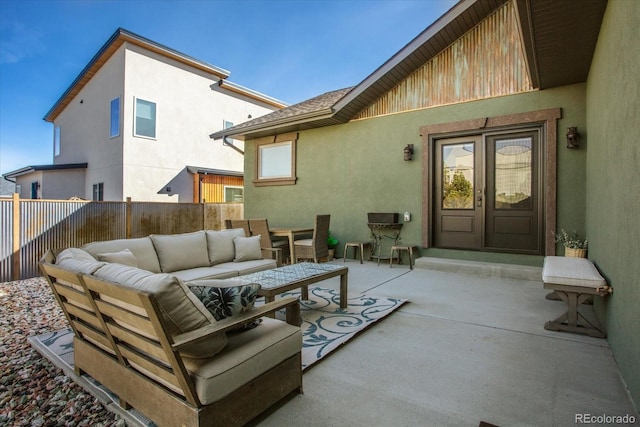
column 325, row 325
column 325, row 328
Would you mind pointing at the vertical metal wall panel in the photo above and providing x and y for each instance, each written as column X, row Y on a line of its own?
column 488, row 61
column 53, row 224
column 6, row 239
column 61, row 224
column 165, row 218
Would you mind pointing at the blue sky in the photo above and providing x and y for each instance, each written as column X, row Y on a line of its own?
column 291, row 50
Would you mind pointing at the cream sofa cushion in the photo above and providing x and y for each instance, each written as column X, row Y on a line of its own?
column 181, row 251
column 142, row 248
column 247, row 248
column 78, row 260
column 124, row 257
column 247, row 355
column 220, row 244
column 182, row 311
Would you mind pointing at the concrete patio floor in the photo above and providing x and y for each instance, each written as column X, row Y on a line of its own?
column 466, row 348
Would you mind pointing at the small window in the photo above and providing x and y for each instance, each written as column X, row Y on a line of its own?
column 114, row 129
column 145, row 119
column 56, row 141
column 98, row 192
column 276, row 160
column 233, row 194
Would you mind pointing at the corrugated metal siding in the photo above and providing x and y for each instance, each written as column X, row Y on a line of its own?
column 6, row 239
column 61, row 224
column 488, row 61
column 212, row 186
column 52, row 224
column 165, row 218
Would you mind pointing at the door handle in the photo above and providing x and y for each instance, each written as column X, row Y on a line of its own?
column 479, row 199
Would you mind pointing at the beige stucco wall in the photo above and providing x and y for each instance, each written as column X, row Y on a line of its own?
column 84, row 130
column 355, row 168
column 613, row 173
column 187, row 109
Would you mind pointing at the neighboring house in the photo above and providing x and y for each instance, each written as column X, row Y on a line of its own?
column 483, row 97
column 137, row 116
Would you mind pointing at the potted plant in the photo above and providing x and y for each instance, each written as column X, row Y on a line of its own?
column 332, row 242
column 574, row 246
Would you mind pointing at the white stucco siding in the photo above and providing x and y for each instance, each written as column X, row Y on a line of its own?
column 63, row 184
column 187, row 111
column 84, row 129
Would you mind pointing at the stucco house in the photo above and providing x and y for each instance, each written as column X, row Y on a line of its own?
column 481, row 102
column 135, row 123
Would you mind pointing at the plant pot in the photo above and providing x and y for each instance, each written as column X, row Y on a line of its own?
column 576, row 253
column 331, row 253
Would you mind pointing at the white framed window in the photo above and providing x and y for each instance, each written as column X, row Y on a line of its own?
column 145, row 118
column 276, row 160
column 233, row 194
column 114, row 121
column 56, row 141
column 98, row 192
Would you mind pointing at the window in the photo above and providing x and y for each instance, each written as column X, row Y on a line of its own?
column 98, row 192
column 114, row 129
column 56, row 141
column 276, row 160
column 233, row 194
column 145, row 119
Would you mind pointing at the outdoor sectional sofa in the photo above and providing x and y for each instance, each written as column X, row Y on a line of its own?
column 141, row 332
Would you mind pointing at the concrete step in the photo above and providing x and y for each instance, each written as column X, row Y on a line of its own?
column 507, row 271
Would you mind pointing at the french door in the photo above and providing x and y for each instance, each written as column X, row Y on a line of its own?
column 488, row 192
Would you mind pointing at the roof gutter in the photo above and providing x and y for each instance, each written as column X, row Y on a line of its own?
column 299, row 119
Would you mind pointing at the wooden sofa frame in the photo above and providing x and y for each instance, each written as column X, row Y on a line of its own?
column 107, row 351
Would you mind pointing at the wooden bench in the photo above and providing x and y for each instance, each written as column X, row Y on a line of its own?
column 574, row 280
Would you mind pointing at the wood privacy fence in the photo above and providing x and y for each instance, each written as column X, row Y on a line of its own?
column 30, row 227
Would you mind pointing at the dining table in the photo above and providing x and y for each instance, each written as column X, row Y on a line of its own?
column 291, row 233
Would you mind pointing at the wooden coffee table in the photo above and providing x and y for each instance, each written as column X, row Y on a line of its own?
column 279, row 280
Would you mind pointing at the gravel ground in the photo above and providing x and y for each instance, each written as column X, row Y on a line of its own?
column 34, row 392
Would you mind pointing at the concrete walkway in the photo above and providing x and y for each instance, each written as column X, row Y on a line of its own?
column 466, row 348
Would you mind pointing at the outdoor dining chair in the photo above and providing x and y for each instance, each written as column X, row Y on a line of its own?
column 239, row 223
column 315, row 248
column 279, row 248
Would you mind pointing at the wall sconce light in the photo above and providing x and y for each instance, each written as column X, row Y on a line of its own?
column 573, row 137
column 408, row 152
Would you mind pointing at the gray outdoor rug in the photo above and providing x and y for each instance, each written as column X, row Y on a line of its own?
column 325, row 327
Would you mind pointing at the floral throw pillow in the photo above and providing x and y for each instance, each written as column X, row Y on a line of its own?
column 226, row 301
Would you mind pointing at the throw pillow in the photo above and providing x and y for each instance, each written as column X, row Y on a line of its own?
column 226, row 298
column 124, row 257
column 220, row 244
column 181, row 251
column 247, row 248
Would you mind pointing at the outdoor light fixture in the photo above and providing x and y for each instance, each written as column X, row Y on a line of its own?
column 573, row 137
column 408, row 152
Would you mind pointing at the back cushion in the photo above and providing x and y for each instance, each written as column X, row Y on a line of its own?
column 141, row 248
column 220, row 244
column 181, row 251
column 78, row 260
column 181, row 310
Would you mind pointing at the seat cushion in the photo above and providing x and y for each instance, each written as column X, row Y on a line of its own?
column 181, row 310
column 246, row 356
column 142, row 248
column 571, row 271
column 248, row 267
column 203, row 273
column 220, row 244
column 181, row 251
column 303, row 242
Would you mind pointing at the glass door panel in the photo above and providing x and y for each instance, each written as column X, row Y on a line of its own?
column 458, row 165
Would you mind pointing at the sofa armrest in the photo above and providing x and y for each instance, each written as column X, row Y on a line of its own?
column 273, row 253
column 291, row 304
